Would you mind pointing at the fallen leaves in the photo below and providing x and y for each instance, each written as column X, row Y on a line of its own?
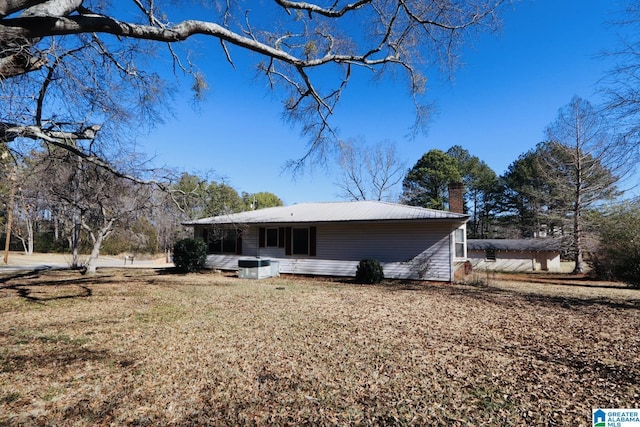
column 150, row 348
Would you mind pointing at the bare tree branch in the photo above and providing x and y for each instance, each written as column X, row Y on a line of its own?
column 407, row 35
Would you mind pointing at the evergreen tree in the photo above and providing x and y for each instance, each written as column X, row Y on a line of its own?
column 426, row 183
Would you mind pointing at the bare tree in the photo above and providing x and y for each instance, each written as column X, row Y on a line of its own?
column 585, row 161
column 27, row 211
column 167, row 217
column 86, row 96
column 293, row 40
column 621, row 85
column 369, row 173
column 97, row 200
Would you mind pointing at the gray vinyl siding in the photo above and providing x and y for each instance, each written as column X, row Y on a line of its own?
column 386, row 242
column 409, row 250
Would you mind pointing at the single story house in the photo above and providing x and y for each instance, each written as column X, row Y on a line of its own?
column 542, row 254
column 331, row 238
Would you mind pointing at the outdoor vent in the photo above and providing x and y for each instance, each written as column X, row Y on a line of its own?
column 258, row 268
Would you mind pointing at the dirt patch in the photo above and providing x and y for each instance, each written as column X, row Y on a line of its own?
column 149, row 347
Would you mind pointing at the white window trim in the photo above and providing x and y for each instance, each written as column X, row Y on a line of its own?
column 463, row 229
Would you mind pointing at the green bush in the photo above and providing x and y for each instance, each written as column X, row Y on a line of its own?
column 43, row 242
column 369, row 271
column 189, row 255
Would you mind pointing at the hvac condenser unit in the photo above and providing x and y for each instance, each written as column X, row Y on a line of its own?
column 258, row 268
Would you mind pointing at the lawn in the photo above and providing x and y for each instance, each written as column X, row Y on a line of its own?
column 144, row 347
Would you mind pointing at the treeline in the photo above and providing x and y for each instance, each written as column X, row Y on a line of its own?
column 527, row 201
column 59, row 202
column 567, row 186
column 530, row 201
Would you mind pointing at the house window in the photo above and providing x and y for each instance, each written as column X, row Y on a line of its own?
column 222, row 242
column 490, row 255
column 272, row 237
column 300, row 241
column 459, row 239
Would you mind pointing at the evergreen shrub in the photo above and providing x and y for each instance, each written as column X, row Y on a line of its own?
column 369, row 271
column 189, row 255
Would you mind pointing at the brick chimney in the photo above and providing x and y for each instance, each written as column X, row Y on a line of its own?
column 456, row 197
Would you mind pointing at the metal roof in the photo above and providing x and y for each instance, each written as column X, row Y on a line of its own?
column 536, row 245
column 333, row 212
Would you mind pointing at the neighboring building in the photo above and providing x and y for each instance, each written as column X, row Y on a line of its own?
column 515, row 254
column 331, row 238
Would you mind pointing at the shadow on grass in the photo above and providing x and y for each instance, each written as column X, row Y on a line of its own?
column 46, row 359
column 60, row 353
column 22, row 275
column 175, row 271
column 488, row 291
column 573, row 302
column 497, row 295
column 560, row 301
column 46, row 284
column 621, row 375
column 34, row 284
column 572, row 280
column 27, row 292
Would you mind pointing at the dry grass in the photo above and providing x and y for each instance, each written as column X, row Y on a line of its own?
column 145, row 348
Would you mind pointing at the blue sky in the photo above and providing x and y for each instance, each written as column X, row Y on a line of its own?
column 507, row 91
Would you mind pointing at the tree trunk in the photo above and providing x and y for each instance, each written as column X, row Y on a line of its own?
column 24, row 245
column 577, row 211
column 77, row 218
column 30, row 236
column 9, row 218
column 91, row 264
column 579, row 263
column 75, row 239
column 56, row 228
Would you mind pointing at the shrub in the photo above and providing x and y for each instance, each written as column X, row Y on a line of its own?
column 43, row 242
column 369, row 271
column 189, row 255
column 479, row 279
column 618, row 254
column 618, row 265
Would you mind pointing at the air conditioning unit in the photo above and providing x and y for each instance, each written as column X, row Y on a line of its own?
column 258, row 268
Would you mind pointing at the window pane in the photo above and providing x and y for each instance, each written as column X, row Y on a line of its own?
column 215, row 246
column 229, row 242
column 300, row 241
column 459, row 235
column 272, row 237
column 222, row 241
column 459, row 250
